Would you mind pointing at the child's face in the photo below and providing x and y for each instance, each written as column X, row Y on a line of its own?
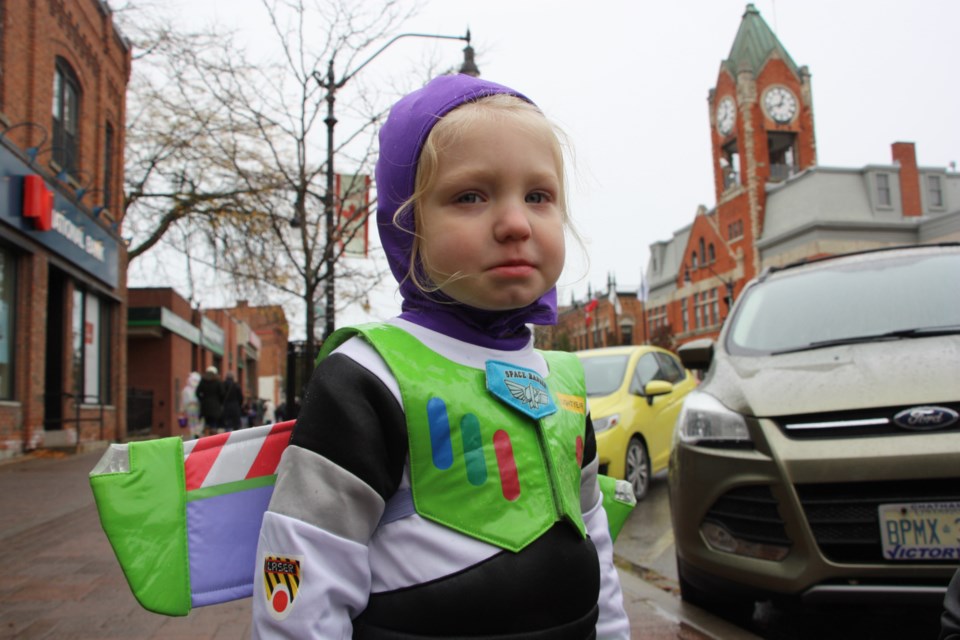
column 492, row 232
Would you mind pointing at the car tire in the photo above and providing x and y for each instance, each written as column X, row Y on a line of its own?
column 636, row 469
column 737, row 610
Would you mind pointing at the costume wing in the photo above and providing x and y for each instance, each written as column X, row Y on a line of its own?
column 184, row 518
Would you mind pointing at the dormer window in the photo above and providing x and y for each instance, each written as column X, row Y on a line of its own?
column 883, row 190
column 935, row 191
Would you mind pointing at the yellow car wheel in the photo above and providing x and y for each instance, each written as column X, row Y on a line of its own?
column 637, row 467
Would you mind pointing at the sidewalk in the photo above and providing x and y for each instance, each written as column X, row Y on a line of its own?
column 61, row 580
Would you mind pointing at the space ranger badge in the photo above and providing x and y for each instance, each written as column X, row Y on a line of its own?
column 281, row 582
column 521, row 388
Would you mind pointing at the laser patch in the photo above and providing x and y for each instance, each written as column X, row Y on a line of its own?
column 281, row 582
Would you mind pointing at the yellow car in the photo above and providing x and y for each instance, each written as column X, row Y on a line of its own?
column 635, row 394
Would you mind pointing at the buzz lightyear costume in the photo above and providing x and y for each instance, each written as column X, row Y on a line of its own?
column 441, row 480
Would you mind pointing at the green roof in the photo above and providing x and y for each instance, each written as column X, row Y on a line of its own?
column 753, row 45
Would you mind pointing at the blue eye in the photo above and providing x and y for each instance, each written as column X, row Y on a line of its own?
column 536, row 198
column 468, row 198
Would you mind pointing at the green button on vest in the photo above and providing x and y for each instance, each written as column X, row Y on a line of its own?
column 477, row 465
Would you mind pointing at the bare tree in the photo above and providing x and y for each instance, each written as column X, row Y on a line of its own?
column 232, row 152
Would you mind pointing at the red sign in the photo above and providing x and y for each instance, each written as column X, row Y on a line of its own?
column 37, row 202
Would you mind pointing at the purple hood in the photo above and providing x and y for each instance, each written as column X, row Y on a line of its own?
column 401, row 140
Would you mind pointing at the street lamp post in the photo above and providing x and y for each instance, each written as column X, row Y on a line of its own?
column 332, row 85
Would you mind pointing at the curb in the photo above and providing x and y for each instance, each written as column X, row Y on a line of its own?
column 648, row 587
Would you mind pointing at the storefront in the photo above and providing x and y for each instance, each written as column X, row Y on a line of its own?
column 62, row 329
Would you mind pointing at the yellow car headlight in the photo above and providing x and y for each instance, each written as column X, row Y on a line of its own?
column 608, row 422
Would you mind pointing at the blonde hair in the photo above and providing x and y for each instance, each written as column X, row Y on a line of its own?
column 446, row 133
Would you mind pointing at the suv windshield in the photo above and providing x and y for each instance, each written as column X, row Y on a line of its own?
column 604, row 374
column 878, row 297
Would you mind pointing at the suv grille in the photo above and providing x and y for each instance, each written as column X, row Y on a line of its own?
column 750, row 513
column 844, row 517
column 855, row 424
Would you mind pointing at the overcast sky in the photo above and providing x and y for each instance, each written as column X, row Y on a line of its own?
column 628, row 81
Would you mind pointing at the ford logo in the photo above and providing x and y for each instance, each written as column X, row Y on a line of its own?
column 926, row 418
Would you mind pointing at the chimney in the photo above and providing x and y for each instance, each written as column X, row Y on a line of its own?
column 905, row 155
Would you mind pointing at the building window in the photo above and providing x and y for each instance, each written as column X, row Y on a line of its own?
column 66, row 117
column 711, row 253
column 883, row 190
column 714, row 308
column 626, row 334
column 783, row 162
column 8, row 292
column 656, row 318
column 935, row 190
column 735, row 230
column 729, row 162
column 683, row 315
column 693, row 260
column 91, row 348
column 107, row 165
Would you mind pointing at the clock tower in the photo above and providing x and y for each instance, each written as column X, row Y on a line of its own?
column 761, row 117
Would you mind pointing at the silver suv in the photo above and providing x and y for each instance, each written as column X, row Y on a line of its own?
column 820, row 457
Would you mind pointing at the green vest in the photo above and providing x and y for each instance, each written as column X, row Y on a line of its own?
column 480, row 465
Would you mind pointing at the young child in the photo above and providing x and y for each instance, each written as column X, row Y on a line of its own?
column 441, row 480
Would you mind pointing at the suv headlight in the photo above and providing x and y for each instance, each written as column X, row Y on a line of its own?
column 602, row 424
column 704, row 420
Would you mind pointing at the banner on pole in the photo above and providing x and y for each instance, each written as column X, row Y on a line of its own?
column 353, row 203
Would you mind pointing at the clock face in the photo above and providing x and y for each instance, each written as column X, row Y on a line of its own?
column 780, row 104
column 726, row 115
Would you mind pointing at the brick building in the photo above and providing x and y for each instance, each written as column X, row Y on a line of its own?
column 64, row 69
column 270, row 325
column 167, row 339
column 774, row 203
column 614, row 317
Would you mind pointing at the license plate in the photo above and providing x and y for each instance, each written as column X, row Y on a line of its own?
column 920, row 531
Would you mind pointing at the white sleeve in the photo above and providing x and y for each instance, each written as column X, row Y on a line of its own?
column 309, row 583
column 613, row 623
column 312, row 572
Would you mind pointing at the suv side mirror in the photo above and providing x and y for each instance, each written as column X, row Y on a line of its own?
column 697, row 354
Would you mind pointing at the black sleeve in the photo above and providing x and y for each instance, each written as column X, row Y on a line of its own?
column 589, row 443
column 352, row 419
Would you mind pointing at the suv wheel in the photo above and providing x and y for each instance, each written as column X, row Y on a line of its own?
column 637, row 468
column 738, row 610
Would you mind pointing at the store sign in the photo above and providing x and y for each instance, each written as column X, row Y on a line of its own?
column 38, row 206
column 37, row 202
column 30, row 205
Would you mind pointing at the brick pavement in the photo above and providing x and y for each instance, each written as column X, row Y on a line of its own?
column 61, row 581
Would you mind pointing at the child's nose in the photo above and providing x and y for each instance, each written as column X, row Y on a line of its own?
column 512, row 222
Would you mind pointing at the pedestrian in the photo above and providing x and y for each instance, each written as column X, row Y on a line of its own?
column 269, row 414
column 232, row 404
column 441, row 479
column 210, row 395
column 190, row 405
